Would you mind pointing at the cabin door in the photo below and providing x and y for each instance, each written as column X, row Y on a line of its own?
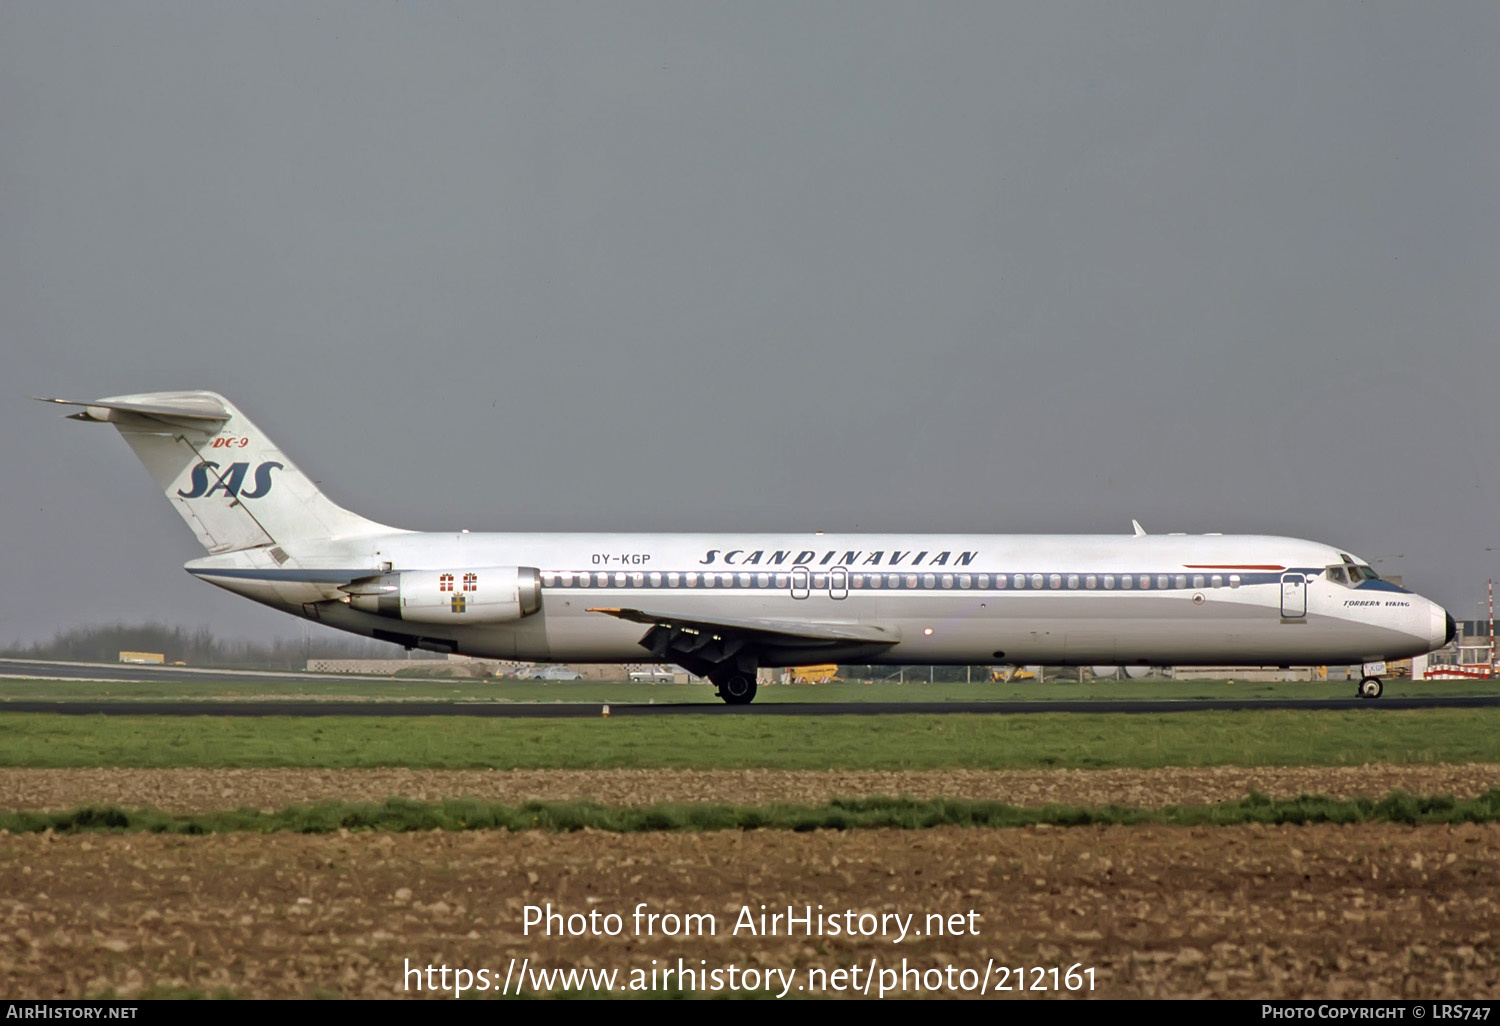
column 1293, row 596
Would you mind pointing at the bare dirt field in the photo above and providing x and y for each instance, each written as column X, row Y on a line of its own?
column 1315, row 911
column 1251, row 912
column 190, row 790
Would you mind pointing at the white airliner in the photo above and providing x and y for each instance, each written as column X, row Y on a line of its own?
column 723, row 605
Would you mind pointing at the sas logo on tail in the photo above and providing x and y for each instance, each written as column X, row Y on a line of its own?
column 207, row 481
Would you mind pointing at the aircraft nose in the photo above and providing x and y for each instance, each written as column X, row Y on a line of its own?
column 1442, row 626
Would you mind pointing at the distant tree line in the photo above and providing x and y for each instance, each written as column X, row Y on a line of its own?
column 103, row 644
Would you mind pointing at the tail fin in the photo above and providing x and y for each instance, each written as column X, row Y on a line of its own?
column 227, row 480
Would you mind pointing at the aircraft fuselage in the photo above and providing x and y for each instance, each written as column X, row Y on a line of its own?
column 723, row 605
column 951, row 599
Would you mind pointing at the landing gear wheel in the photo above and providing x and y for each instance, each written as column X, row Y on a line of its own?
column 736, row 687
column 1370, row 687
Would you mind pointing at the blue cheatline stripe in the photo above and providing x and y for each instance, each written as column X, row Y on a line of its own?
column 587, row 577
column 1381, row 586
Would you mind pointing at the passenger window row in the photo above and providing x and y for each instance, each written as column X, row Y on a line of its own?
column 820, row 580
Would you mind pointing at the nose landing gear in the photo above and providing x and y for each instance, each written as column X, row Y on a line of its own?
column 1370, row 687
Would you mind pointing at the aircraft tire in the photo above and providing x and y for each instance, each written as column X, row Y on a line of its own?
column 737, row 688
column 1370, row 687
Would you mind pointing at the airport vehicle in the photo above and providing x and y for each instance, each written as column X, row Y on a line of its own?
column 723, row 605
column 143, row 657
column 821, row 673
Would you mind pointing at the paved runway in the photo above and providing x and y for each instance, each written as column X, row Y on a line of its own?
column 153, row 673
column 571, row 710
column 575, row 710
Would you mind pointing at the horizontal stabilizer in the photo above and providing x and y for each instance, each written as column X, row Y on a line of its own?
column 189, row 408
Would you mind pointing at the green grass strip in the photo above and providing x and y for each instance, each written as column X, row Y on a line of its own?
column 1034, row 741
column 404, row 815
column 468, row 690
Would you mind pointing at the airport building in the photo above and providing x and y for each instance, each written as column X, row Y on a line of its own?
column 1469, row 656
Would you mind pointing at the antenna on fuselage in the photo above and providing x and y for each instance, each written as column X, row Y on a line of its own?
column 1140, row 532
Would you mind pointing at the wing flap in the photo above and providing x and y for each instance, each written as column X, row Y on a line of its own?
column 800, row 630
column 708, row 644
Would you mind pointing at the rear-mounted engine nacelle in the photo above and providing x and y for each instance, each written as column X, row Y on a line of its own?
column 494, row 594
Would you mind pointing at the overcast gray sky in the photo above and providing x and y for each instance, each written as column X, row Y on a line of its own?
column 1001, row 267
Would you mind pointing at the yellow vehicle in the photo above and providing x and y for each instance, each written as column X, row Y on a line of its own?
column 823, row 673
column 142, row 657
column 1019, row 673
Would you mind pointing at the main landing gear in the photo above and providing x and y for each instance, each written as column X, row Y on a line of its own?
column 736, row 686
column 1370, row 687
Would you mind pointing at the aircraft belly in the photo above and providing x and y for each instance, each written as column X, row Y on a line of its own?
column 572, row 634
column 1247, row 641
column 1092, row 646
column 969, row 629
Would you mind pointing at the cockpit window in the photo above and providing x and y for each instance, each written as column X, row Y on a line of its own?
column 1350, row 574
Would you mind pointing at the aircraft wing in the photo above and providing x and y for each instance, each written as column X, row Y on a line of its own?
column 697, row 642
column 781, row 630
